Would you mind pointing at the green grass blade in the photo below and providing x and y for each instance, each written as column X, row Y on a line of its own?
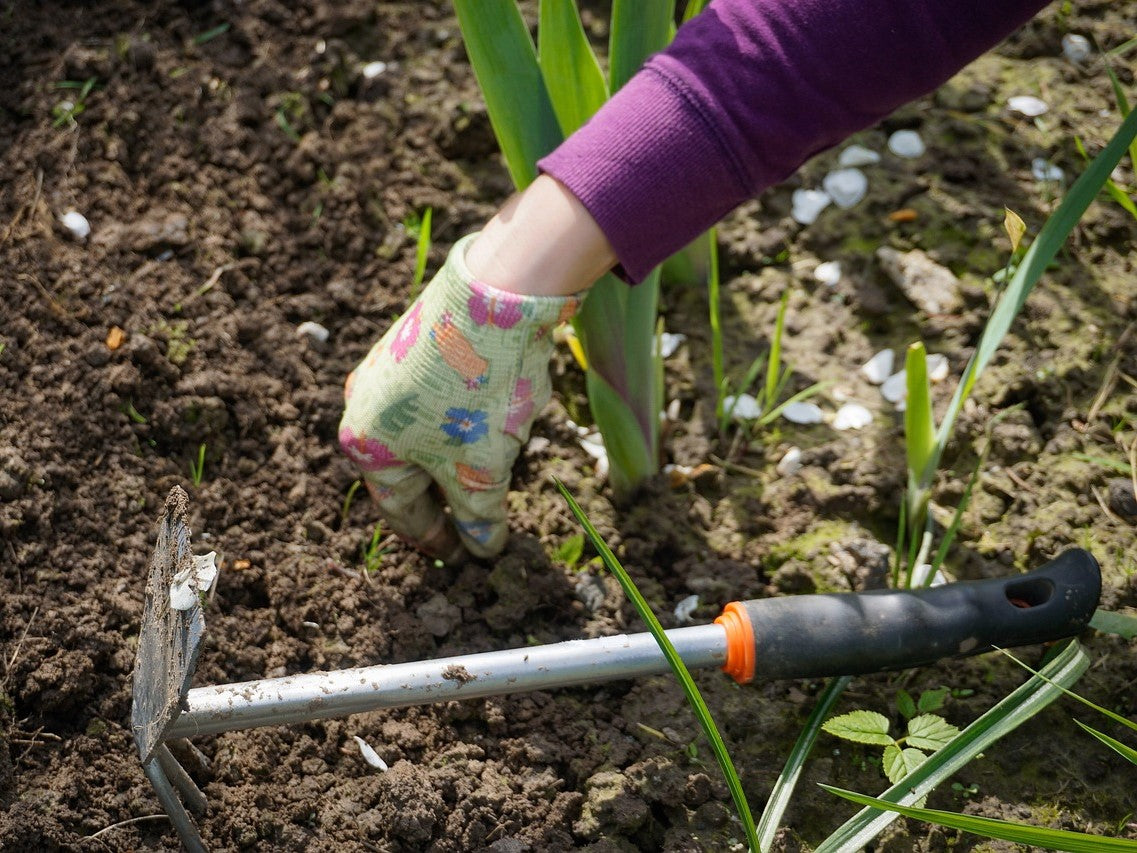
column 505, row 63
column 1105, row 712
column 702, row 712
column 772, row 415
column 1037, row 836
column 422, row 251
column 1104, row 462
column 1112, row 189
column 774, row 363
column 1125, row 751
column 1122, row 104
column 572, row 74
column 919, row 423
column 1032, row 266
column 784, row 787
column 639, row 28
column 1064, row 669
column 957, row 517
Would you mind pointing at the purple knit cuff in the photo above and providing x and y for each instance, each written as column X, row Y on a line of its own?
column 648, row 208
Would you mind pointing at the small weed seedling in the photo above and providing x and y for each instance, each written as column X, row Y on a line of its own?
column 197, row 468
column 927, row 732
column 419, row 229
column 67, row 110
column 372, row 552
column 570, row 551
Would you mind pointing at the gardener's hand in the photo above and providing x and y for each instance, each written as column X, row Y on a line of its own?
column 446, row 400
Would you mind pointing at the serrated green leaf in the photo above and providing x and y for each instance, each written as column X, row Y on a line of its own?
column 898, row 762
column 933, row 700
column 930, row 731
column 860, row 727
column 905, row 703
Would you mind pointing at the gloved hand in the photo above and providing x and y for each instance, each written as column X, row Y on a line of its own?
column 447, row 398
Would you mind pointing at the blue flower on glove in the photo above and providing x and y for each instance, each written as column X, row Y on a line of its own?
column 465, row 426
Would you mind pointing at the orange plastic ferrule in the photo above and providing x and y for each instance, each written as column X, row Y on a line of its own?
column 739, row 642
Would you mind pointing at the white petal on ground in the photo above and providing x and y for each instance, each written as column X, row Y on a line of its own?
column 369, row 755
column 1028, row 105
column 858, row 155
column 808, row 204
column 373, row 69
column 685, row 608
column 1044, row 171
column 846, row 187
column 937, row 367
column 669, row 343
column 879, row 367
column 790, row 463
column 803, row 413
column 1076, row 48
column 907, row 144
column 852, row 416
column 742, row 408
column 593, row 445
column 895, row 387
column 76, row 224
column 313, row 330
column 828, row 273
column 205, row 570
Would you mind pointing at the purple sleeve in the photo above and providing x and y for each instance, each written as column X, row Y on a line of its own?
column 747, row 92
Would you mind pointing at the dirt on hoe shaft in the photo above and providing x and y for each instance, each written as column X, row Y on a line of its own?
column 242, row 176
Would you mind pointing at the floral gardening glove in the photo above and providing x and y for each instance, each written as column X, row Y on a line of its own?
column 447, row 398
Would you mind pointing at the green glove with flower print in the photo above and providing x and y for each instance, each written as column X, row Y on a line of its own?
column 444, row 402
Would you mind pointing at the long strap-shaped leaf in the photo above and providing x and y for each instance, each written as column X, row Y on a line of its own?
column 1034, row 263
column 572, row 74
column 639, row 28
column 505, row 63
column 1066, row 668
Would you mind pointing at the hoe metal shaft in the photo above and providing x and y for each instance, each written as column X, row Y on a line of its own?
column 298, row 698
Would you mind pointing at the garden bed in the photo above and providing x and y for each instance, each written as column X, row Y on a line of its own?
column 241, row 176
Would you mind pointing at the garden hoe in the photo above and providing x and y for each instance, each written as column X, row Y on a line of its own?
column 804, row 636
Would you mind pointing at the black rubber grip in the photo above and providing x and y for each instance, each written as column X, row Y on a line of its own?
column 809, row 636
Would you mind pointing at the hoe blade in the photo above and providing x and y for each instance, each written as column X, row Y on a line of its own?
column 170, row 640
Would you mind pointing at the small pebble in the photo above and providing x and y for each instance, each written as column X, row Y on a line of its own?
column 373, row 69
column 828, row 273
column 313, row 330
column 906, row 144
column 1076, row 48
column 76, row 224
column 685, row 608
column 790, row 463
column 846, row 187
column 808, row 204
column 852, row 416
column 1121, row 498
column 803, row 413
column 895, row 387
column 1045, row 171
column 858, row 155
column 879, row 367
column 1028, row 105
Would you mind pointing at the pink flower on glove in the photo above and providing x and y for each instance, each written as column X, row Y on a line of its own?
column 497, row 309
column 369, row 454
column 407, row 334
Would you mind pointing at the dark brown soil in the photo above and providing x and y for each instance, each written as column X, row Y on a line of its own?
column 244, row 181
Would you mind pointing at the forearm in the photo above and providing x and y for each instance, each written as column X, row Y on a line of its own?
column 543, row 242
column 747, row 92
